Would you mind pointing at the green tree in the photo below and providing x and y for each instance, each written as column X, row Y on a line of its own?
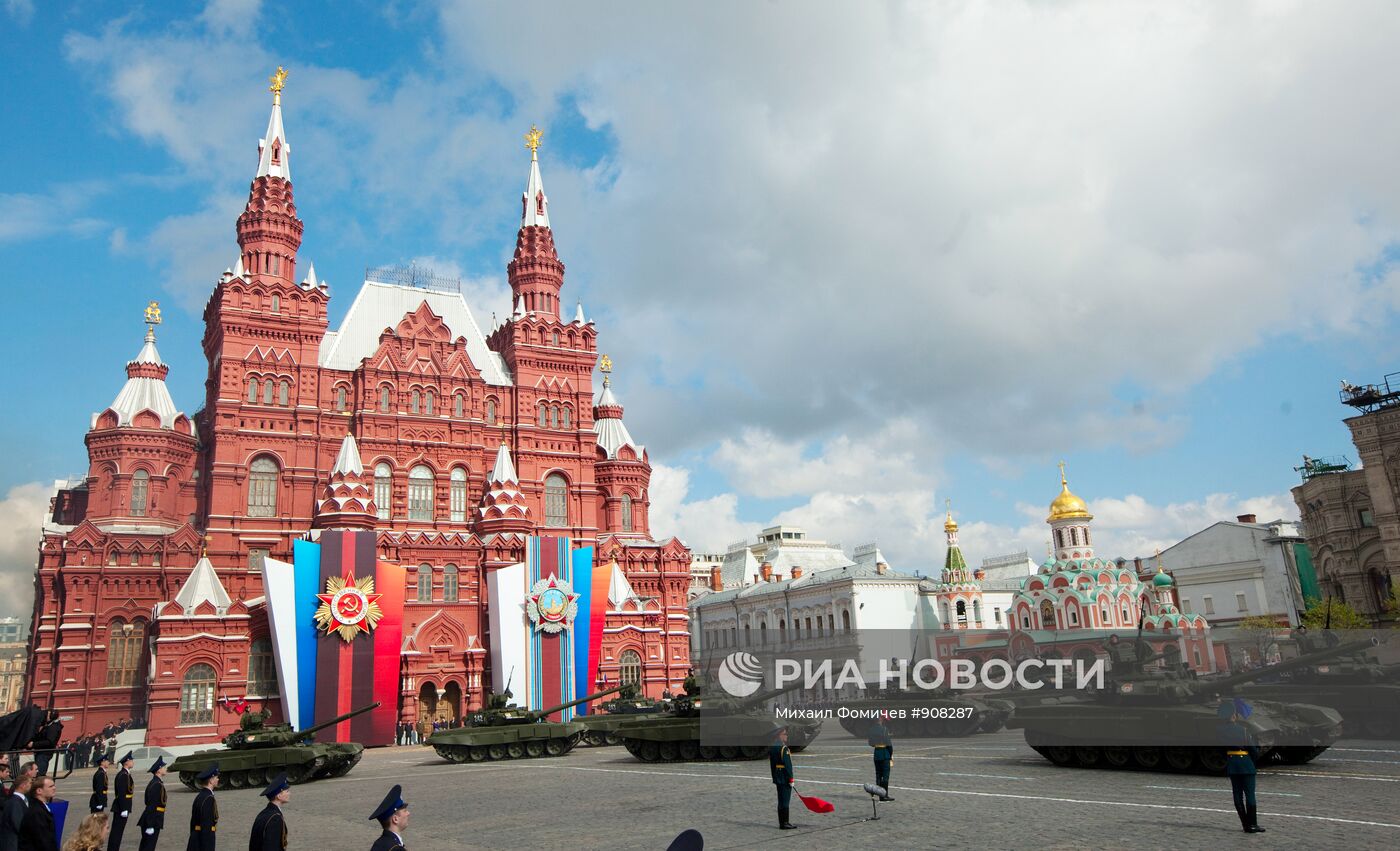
column 1257, row 633
column 1342, row 616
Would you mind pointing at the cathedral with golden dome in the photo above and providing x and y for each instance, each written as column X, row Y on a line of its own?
column 1075, row 589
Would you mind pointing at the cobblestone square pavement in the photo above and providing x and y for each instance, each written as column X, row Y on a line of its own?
column 987, row 791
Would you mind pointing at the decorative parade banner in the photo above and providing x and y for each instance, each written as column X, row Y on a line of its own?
column 542, row 624
column 336, row 616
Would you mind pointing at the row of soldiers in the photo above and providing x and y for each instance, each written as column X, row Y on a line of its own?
column 269, row 829
column 269, row 832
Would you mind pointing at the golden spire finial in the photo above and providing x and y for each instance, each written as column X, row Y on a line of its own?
column 532, row 141
column 152, row 315
column 279, row 82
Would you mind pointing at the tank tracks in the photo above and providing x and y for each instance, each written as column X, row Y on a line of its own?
column 256, row 778
column 690, row 750
column 528, row 749
column 1186, row 760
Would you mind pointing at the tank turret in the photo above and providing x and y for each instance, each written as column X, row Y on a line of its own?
column 283, row 735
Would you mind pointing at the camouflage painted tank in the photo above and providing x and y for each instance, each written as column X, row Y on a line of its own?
column 601, row 728
column 933, row 714
column 1166, row 720
column 747, row 729
column 1365, row 692
column 505, row 731
column 257, row 752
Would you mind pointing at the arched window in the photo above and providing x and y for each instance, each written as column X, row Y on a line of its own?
column 415, row 401
column 554, row 416
column 262, row 673
column 564, row 417
column 490, row 411
column 383, row 489
column 556, row 500
column 197, row 695
column 126, row 648
column 544, row 414
column 449, row 583
column 269, row 387
column 384, row 399
column 252, row 389
column 262, row 487
column 459, row 495
column 425, row 583
column 630, row 667
column 283, row 392
column 428, row 403
column 340, row 398
column 626, row 513
column 459, row 405
column 420, row 493
column 140, row 488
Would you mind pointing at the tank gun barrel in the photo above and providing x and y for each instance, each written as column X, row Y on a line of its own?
column 1299, row 662
column 585, row 699
column 765, row 696
column 316, row 728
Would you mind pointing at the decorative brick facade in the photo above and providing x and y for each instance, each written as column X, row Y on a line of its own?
column 430, row 399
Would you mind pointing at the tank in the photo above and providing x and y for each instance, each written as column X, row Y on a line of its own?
column 505, row 731
column 1365, row 692
column 1165, row 720
column 940, row 713
column 256, row 753
column 601, row 728
column 676, row 737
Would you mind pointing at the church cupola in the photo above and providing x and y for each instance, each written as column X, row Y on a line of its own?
column 269, row 232
column 1069, row 524
column 348, row 502
column 535, row 272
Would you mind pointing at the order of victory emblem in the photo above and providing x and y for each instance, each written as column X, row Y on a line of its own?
column 349, row 606
column 551, row 604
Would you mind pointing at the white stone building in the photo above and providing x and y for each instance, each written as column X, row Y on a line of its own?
column 1240, row 568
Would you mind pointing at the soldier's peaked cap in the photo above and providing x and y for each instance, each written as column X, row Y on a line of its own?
column 158, row 764
column 211, row 771
column 391, row 804
column 276, row 786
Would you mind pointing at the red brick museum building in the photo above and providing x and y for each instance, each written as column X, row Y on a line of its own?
column 148, row 595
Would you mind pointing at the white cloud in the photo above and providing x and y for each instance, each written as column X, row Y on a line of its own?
column 21, row 516
column 231, row 17
column 21, row 10
column 706, row 525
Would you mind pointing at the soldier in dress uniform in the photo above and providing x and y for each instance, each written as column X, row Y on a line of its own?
column 1240, row 752
column 153, row 816
column 204, row 815
column 780, row 761
column 121, row 803
column 97, row 803
column 392, row 816
column 879, row 739
column 270, row 828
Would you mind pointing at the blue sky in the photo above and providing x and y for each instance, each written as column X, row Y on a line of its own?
column 850, row 265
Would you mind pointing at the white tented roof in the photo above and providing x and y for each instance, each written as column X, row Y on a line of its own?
column 612, row 432
column 283, row 167
column 145, row 394
column 379, row 306
column 619, row 589
column 203, row 585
